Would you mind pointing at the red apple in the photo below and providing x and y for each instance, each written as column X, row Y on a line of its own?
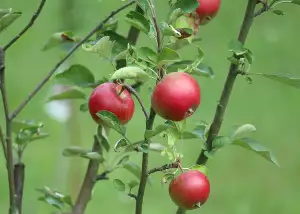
column 207, row 10
column 190, row 189
column 176, row 96
column 107, row 97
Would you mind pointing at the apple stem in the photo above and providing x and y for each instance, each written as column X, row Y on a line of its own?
column 132, row 91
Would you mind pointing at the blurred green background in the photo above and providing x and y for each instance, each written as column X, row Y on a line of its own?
column 241, row 182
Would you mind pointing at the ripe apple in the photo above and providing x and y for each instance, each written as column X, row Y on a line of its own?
column 207, row 10
column 190, row 189
column 107, row 97
column 176, row 96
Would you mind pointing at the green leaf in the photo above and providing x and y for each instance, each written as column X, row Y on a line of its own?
column 167, row 177
column 119, row 185
column 7, row 19
column 73, row 93
column 40, row 136
column 187, row 6
column 169, row 30
column 237, row 47
column 132, row 184
column 167, row 55
column 130, row 72
column 74, row 151
column 92, row 156
column 59, row 38
column 121, row 145
column 156, row 147
column 201, row 130
column 84, row 107
column 111, row 120
column 256, row 147
column 4, row 12
column 123, row 160
column 103, row 139
column 220, row 141
column 296, row 2
column 159, row 129
column 282, row 78
column 176, row 13
column 54, row 198
column 17, row 126
column 133, row 168
column 201, row 168
column 120, row 43
column 77, row 74
column 241, row 130
column 279, row 12
column 147, row 54
column 28, row 134
column 203, row 70
column 103, row 47
column 138, row 21
column 143, row 4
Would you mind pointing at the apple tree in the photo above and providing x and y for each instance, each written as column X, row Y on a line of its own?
column 112, row 102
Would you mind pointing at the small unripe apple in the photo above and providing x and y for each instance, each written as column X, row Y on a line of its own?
column 176, row 96
column 207, row 10
column 190, row 189
column 108, row 96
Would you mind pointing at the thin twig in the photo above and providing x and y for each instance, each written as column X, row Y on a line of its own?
column 3, row 143
column 103, row 176
column 9, row 149
column 31, row 22
column 174, row 165
column 85, row 193
column 131, row 90
column 228, row 86
column 19, row 173
column 149, row 122
column 132, row 195
column 70, row 53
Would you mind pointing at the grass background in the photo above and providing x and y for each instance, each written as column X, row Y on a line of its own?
column 241, row 182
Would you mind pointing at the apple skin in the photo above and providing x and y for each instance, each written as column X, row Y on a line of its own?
column 207, row 10
column 176, row 96
column 189, row 189
column 106, row 97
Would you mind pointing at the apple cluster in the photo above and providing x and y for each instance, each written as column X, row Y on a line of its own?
column 176, row 97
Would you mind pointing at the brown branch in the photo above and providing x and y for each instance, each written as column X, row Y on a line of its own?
column 19, row 173
column 149, row 122
column 9, row 149
column 85, row 193
column 174, row 165
column 3, row 143
column 228, row 86
column 30, row 24
column 70, row 53
column 132, row 91
column 144, row 172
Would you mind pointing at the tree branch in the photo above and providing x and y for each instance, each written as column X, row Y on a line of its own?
column 19, row 173
column 30, row 24
column 232, row 74
column 70, row 53
column 9, row 149
column 174, row 165
column 149, row 122
column 87, row 186
column 132, row 91
column 3, row 143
